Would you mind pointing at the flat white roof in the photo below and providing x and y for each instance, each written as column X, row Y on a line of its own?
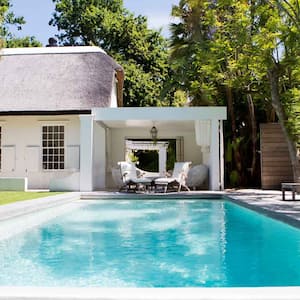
column 51, row 50
column 160, row 113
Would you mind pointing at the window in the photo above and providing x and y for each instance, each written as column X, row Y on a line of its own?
column 0, row 148
column 53, row 147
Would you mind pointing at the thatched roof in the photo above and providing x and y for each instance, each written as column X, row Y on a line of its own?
column 57, row 79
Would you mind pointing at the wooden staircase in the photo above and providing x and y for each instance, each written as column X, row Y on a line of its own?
column 275, row 161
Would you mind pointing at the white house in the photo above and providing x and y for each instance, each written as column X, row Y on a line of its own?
column 62, row 125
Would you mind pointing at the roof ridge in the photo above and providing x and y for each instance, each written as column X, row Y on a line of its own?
column 51, row 50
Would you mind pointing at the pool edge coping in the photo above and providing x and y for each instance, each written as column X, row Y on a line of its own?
column 275, row 209
column 20, row 208
column 259, row 293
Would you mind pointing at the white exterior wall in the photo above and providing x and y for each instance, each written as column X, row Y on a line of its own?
column 191, row 152
column 93, row 146
column 22, row 148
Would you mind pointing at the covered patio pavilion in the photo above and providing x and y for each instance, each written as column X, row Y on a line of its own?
column 198, row 132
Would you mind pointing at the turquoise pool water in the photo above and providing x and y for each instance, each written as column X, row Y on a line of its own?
column 172, row 243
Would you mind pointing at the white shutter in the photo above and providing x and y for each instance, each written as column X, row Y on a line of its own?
column 32, row 158
column 8, row 158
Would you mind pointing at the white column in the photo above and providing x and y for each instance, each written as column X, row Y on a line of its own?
column 221, row 155
column 86, row 153
column 99, row 157
column 214, row 160
column 162, row 161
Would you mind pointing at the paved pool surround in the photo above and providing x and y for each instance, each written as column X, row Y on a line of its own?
column 19, row 208
column 266, row 202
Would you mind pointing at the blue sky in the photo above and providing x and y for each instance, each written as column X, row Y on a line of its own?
column 37, row 14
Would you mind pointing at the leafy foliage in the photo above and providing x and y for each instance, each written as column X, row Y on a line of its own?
column 189, row 37
column 243, row 54
column 106, row 23
column 7, row 19
column 28, row 41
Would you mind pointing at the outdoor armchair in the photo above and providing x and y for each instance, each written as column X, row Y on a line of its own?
column 178, row 178
column 132, row 177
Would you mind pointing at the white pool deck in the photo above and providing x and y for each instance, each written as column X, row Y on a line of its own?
column 268, row 202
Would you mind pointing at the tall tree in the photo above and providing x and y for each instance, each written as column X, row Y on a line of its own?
column 237, row 60
column 3, row 9
column 187, row 36
column 279, row 41
column 8, row 19
column 216, row 40
column 106, row 23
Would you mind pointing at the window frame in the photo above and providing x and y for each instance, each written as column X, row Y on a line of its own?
column 51, row 147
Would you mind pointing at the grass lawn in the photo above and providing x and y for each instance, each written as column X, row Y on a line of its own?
column 9, row 197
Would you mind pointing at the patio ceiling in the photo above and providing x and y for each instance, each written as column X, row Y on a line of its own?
column 166, row 125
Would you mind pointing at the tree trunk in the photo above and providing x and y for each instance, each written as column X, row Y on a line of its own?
column 273, row 75
column 236, row 153
column 253, row 132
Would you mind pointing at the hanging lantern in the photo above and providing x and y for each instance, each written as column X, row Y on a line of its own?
column 153, row 133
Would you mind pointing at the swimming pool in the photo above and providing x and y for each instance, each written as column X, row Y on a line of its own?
column 153, row 243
